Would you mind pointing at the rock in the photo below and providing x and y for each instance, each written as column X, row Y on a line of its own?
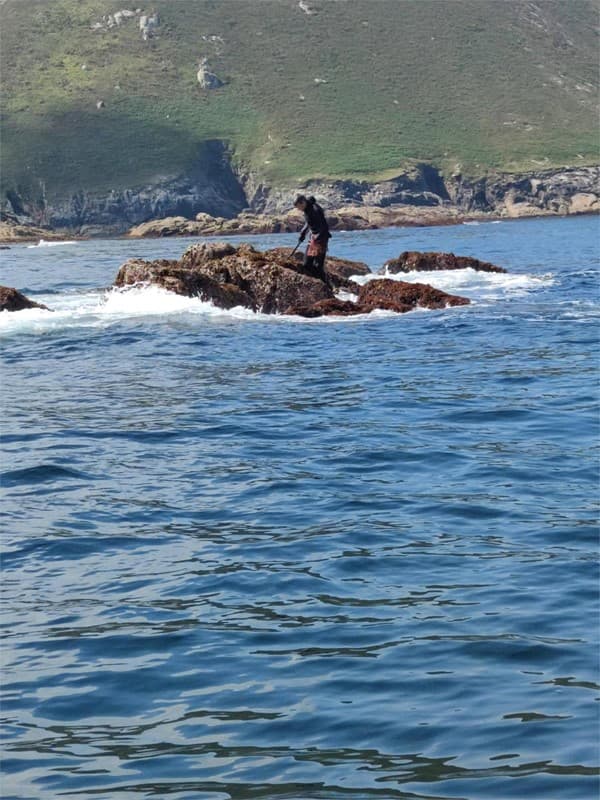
column 412, row 261
column 346, row 218
column 207, row 225
column 267, row 282
column 274, row 282
column 191, row 283
column 342, row 269
column 339, row 270
column 306, row 8
column 584, row 203
column 206, row 78
column 322, row 308
column 402, row 296
column 382, row 294
column 13, row 232
column 148, row 25
column 12, row 300
column 169, row 226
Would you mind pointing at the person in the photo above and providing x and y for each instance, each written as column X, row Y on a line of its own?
column 315, row 222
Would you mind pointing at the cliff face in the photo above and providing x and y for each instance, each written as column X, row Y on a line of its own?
column 211, row 186
column 214, row 187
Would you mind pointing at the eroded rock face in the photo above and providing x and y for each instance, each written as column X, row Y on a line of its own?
column 269, row 282
column 191, row 283
column 12, row 300
column 275, row 282
column 411, row 261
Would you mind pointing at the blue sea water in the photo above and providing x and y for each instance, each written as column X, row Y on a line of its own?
column 263, row 558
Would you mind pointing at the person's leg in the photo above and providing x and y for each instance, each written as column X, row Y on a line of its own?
column 309, row 263
column 320, row 268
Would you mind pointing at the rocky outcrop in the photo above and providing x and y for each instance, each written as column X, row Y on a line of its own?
column 274, row 282
column 571, row 190
column 12, row 300
column 148, row 23
column 206, row 77
column 266, row 282
column 192, row 283
column 402, row 296
column 13, row 232
column 207, row 225
column 347, row 218
column 384, row 295
column 411, row 261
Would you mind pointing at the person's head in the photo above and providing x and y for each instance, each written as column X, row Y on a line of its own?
column 300, row 202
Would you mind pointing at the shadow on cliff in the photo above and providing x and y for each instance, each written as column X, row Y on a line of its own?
column 143, row 170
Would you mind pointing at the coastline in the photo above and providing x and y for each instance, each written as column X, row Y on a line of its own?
column 252, row 225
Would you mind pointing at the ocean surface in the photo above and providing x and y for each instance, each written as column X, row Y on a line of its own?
column 258, row 558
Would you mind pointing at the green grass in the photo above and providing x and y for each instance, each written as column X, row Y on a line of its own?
column 474, row 84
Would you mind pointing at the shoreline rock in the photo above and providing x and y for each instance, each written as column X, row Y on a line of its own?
column 346, row 218
column 13, row 233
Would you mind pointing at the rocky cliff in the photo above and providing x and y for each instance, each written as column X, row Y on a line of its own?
column 215, row 187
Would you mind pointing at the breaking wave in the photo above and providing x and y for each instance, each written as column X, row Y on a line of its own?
column 101, row 308
column 472, row 283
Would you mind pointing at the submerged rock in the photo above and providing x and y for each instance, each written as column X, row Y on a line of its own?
column 411, row 261
column 12, row 300
column 276, row 282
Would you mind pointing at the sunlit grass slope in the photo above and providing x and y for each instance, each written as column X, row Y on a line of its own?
column 359, row 88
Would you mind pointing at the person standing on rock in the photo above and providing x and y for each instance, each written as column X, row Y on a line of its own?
column 315, row 222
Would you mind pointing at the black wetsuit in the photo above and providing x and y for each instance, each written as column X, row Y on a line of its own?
column 314, row 260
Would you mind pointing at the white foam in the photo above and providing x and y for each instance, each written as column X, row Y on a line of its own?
column 103, row 308
column 44, row 243
column 470, row 282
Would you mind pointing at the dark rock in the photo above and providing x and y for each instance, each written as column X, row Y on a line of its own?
column 402, row 296
column 192, row 283
column 198, row 255
column 12, row 300
column 274, row 282
column 339, row 270
column 412, row 261
column 323, row 308
column 269, row 282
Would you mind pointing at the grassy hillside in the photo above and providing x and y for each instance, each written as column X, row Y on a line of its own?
column 480, row 83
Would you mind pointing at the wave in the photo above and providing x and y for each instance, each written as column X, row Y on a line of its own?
column 474, row 284
column 100, row 308
column 45, row 243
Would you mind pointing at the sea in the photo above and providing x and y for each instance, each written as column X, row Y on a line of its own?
column 251, row 557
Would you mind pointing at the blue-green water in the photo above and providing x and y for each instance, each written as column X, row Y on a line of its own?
column 251, row 558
